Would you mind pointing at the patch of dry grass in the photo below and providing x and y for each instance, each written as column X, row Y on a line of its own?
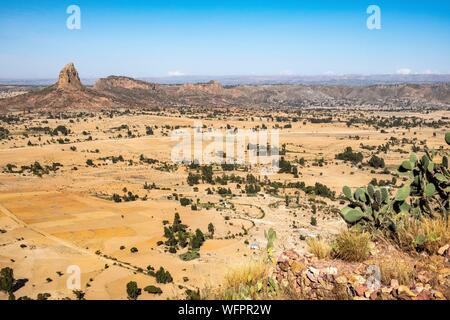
column 251, row 281
column 319, row 248
column 352, row 245
column 395, row 267
column 427, row 234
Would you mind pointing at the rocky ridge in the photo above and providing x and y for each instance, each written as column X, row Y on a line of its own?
column 310, row 278
column 118, row 91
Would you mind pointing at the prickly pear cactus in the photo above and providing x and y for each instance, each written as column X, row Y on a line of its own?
column 427, row 193
column 368, row 206
column 429, row 185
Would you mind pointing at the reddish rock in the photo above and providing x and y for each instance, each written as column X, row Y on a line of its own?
column 360, row 290
column 374, row 295
column 284, row 266
column 424, row 295
column 292, row 255
column 423, row 278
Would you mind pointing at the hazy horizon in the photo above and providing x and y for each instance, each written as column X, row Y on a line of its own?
column 348, row 79
column 55, row 77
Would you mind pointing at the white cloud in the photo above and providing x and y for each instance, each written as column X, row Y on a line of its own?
column 329, row 73
column 175, row 73
column 286, row 72
column 428, row 71
column 404, row 71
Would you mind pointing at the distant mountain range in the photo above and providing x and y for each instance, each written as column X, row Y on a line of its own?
column 69, row 93
column 353, row 80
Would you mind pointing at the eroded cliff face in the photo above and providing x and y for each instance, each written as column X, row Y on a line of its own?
column 212, row 87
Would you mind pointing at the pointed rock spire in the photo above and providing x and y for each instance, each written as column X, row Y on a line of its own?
column 69, row 79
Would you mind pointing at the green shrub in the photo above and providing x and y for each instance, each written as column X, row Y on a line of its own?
column 61, row 129
column 7, row 280
column 163, row 276
column 190, row 255
column 133, row 291
column 153, row 290
column 376, row 162
column 193, row 179
column 211, row 230
column 197, row 239
column 185, row 202
column 192, row 295
column 349, row 155
column 79, row 294
column 3, row 133
column 43, row 296
column 321, row 190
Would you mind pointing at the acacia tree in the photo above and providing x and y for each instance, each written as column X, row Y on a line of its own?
column 211, row 229
column 133, row 291
column 7, row 280
column 197, row 239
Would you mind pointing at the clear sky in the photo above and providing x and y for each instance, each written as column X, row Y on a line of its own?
column 226, row 37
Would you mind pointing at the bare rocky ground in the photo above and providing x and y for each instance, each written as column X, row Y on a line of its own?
column 310, row 278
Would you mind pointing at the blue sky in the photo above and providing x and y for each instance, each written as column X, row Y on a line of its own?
column 227, row 37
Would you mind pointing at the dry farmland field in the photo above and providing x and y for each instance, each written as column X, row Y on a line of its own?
column 97, row 190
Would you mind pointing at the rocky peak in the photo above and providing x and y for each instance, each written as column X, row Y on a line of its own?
column 69, row 79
